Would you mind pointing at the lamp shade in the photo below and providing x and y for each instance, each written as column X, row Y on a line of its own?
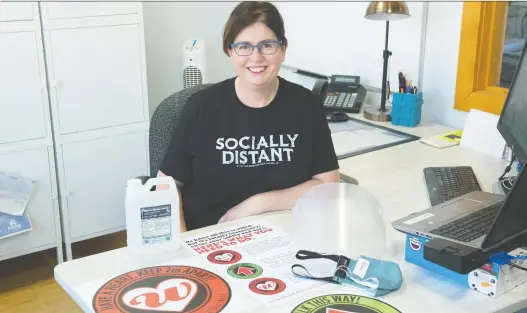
column 387, row 11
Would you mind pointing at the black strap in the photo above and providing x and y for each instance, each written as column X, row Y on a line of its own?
column 305, row 255
column 295, row 269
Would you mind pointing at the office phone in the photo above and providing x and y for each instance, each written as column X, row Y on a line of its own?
column 342, row 93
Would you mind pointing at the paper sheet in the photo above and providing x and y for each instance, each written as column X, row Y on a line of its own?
column 481, row 134
column 352, row 141
column 11, row 225
column 15, row 192
column 257, row 258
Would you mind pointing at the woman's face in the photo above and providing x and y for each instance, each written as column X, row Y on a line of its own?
column 259, row 68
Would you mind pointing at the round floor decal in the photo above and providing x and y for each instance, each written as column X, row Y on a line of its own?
column 344, row 303
column 267, row 286
column 224, row 257
column 183, row 289
column 245, row 270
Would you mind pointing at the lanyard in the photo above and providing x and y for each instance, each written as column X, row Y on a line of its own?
column 341, row 268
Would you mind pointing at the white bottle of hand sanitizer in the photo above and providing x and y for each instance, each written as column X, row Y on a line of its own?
column 152, row 217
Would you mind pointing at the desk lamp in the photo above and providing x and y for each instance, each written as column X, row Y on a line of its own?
column 384, row 11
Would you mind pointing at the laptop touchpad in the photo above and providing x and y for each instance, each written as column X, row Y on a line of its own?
column 465, row 205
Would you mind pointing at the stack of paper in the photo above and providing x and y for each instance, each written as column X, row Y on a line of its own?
column 15, row 192
column 481, row 134
column 444, row 140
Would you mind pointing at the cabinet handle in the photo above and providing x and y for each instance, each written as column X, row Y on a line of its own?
column 66, row 194
column 55, row 83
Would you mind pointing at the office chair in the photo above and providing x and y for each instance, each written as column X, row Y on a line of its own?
column 163, row 124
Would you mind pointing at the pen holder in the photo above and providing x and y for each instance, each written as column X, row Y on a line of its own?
column 406, row 109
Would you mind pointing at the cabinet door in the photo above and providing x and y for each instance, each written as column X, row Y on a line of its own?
column 35, row 165
column 22, row 113
column 97, row 76
column 57, row 10
column 16, row 11
column 96, row 172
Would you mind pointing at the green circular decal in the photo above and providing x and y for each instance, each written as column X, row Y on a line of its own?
column 245, row 270
column 344, row 303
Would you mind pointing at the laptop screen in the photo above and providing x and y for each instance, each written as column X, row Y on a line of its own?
column 512, row 219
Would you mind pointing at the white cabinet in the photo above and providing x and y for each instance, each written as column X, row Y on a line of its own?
column 73, row 85
column 26, row 143
column 97, row 72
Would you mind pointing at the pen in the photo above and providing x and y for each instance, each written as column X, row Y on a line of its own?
column 408, row 86
column 402, row 84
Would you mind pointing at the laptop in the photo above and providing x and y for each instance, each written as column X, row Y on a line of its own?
column 478, row 219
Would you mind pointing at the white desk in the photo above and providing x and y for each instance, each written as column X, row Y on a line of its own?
column 394, row 176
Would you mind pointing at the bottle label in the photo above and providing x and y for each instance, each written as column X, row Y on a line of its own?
column 156, row 224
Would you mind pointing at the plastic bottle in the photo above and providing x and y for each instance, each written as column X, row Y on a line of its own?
column 152, row 217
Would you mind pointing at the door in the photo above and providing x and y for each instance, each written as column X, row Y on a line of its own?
column 96, row 77
column 95, row 174
column 23, row 96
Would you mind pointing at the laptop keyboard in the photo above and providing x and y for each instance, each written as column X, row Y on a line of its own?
column 471, row 226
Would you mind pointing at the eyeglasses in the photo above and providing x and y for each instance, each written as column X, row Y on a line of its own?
column 265, row 47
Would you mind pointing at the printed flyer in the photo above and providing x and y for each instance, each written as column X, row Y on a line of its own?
column 257, row 258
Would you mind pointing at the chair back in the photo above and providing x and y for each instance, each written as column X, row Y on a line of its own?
column 163, row 123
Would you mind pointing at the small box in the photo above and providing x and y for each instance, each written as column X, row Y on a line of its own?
column 406, row 109
column 491, row 279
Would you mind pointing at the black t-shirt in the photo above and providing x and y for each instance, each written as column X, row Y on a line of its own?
column 224, row 151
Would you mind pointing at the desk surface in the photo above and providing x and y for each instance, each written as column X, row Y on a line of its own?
column 394, row 176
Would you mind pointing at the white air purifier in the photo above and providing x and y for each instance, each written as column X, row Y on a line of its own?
column 194, row 64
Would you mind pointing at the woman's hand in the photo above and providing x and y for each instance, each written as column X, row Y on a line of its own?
column 251, row 206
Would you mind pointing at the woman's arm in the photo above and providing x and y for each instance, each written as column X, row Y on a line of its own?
column 284, row 199
column 278, row 200
column 182, row 224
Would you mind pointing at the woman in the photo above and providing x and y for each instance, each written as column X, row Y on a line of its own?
column 252, row 143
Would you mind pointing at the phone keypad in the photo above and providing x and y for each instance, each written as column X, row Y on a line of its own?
column 340, row 99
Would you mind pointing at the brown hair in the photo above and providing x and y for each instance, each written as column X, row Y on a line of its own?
column 248, row 13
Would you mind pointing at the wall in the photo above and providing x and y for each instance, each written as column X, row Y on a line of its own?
column 167, row 26
column 440, row 63
column 339, row 40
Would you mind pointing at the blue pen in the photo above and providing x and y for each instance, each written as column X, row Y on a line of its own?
column 194, row 43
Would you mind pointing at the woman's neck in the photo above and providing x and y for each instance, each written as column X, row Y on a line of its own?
column 256, row 97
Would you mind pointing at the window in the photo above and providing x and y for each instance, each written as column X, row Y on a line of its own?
column 492, row 38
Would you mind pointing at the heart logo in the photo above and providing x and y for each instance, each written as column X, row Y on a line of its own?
column 415, row 244
column 171, row 295
column 266, row 286
column 225, row 257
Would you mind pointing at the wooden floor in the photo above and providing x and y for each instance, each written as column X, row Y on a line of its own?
column 27, row 284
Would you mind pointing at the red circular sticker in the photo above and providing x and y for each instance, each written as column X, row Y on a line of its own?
column 183, row 289
column 267, row 286
column 224, row 257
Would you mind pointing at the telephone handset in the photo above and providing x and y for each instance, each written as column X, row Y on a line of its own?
column 343, row 93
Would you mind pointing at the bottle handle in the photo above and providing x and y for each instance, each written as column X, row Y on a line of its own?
column 165, row 180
